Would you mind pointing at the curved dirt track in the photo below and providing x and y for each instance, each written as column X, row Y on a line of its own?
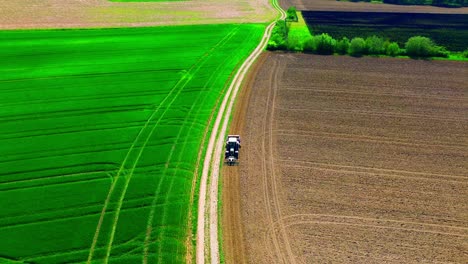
column 349, row 160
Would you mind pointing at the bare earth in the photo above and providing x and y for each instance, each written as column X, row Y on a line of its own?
column 102, row 13
column 334, row 5
column 348, row 160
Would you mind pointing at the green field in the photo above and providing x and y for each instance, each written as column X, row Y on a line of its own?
column 100, row 132
column 298, row 31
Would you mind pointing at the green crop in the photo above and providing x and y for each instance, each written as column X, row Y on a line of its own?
column 100, row 131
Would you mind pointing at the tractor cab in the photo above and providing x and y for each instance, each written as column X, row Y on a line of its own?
column 233, row 146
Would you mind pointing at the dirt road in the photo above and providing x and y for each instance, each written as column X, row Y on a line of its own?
column 349, row 160
column 207, row 222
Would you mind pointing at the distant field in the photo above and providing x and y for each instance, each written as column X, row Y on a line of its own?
column 448, row 30
column 33, row 14
column 99, row 136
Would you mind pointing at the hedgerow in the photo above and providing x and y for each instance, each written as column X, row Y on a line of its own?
column 292, row 37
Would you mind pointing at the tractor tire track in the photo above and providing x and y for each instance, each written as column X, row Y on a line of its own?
column 376, row 171
column 365, row 222
column 377, row 113
column 176, row 89
column 280, row 241
column 379, row 94
column 152, row 212
column 196, row 67
column 378, row 140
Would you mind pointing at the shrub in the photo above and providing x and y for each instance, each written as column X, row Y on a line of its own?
column 440, row 51
column 295, row 43
column 465, row 53
column 278, row 37
column 375, row 45
column 419, row 46
column 322, row 44
column 309, row 45
column 357, row 47
column 291, row 14
column 393, row 49
column 342, row 46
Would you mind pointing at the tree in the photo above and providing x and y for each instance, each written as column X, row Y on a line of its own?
column 375, row 45
column 342, row 46
column 393, row 49
column 291, row 14
column 357, row 47
column 419, row 46
column 323, row 44
column 465, row 53
column 278, row 37
column 295, row 43
column 309, row 45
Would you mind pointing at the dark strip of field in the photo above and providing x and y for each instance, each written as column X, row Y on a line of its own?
column 448, row 30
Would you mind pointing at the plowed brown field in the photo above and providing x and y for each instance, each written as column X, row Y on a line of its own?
column 334, row 5
column 348, row 160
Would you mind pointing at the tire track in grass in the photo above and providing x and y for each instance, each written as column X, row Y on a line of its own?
column 182, row 83
column 152, row 212
column 35, row 258
column 180, row 153
column 121, row 170
column 171, row 185
column 68, row 130
column 188, row 242
column 65, row 213
column 75, row 112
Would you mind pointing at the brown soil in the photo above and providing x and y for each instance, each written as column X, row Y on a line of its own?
column 334, row 5
column 233, row 240
column 16, row 14
column 348, row 160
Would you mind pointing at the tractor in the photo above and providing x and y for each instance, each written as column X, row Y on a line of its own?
column 231, row 156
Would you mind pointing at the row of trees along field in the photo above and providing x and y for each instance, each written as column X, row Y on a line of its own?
column 324, row 44
column 441, row 3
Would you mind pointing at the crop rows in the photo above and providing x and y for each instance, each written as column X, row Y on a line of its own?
column 99, row 134
column 448, row 30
